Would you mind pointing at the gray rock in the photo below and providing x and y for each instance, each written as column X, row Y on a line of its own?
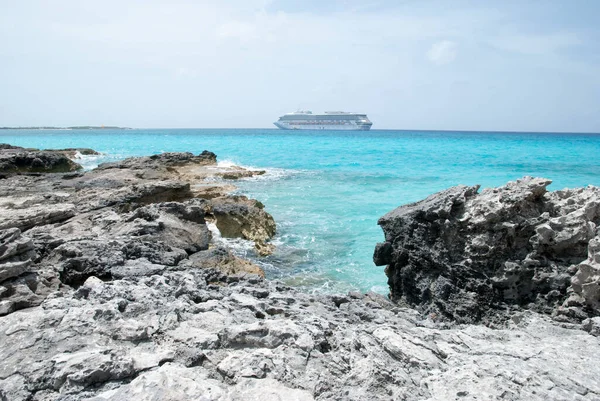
column 140, row 209
column 22, row 292
column 38, row 215
column 157, row 337
column 127, row 298
column 16, row 160
column 240, row 217
column 592, row 326
column 138, row 267
column 159, row 161
column 16, row 253
column 222, row 259
column 78, row 260
column 585, row 284
column 171, row 224
column 155, row 252
column 170, row 383
column 466, row 256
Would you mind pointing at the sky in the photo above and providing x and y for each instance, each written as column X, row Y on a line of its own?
column 409, row 64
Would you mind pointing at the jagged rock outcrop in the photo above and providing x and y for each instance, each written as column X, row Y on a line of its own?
column 470, row 256
column 14, row 160
column 162, row 161
column 240, row 217
column 585, row 283
column 131, row 218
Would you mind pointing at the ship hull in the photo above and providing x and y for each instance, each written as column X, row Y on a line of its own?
column 318, row 127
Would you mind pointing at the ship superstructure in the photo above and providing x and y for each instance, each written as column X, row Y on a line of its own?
column 329, row 120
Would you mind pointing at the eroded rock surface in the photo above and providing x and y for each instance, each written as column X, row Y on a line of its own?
column 15, row 159
column 470, row 256
column 130, row 218
column 198, row 334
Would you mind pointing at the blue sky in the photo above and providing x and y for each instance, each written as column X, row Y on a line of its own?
column 421, row 64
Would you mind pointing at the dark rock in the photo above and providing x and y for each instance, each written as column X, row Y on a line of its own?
column 15, row 160
column 155, row 252
column 383, row 254
column 4, row 146
column 78, row 260
column 464, row 256
column 162, row 160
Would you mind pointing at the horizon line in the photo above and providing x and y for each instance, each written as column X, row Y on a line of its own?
column 114, row 127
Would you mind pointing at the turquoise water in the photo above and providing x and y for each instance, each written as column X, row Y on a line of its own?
column 326, row 190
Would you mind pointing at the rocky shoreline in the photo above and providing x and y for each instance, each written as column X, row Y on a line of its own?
column 112, row 288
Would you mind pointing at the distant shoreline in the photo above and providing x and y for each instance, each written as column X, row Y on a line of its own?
column 68, row 128
column 92, row 127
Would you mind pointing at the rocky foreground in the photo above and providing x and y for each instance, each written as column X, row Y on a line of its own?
column 112, row 287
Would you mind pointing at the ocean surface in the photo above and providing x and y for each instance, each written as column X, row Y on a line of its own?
column 326, row 190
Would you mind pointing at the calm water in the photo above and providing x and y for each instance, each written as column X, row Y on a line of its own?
column 326, row 190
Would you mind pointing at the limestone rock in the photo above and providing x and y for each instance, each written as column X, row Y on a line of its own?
column 240, row 217
column 14, row 160
column 174, row 224
column 585, row 284
column 467, row 256
column 16, row 253
column 195, row 333
column 137, row 217
column 592, row 326
column 222, row 259
column 162, row 160
column 36, row 216
column 155, row 252
column 127, row 296
column 169, row 382
column 137, row 267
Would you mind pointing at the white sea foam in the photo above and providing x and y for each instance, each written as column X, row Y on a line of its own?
column 271, row 173
column 227, row 163
column 238, row 246
column 214, row 230
column 89, row 162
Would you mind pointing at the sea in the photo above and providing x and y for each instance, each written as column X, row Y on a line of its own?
column 327, row 189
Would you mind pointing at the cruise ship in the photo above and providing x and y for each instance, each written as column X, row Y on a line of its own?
column 330, row 120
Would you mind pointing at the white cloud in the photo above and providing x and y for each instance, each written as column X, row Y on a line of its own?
column 443, row 52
